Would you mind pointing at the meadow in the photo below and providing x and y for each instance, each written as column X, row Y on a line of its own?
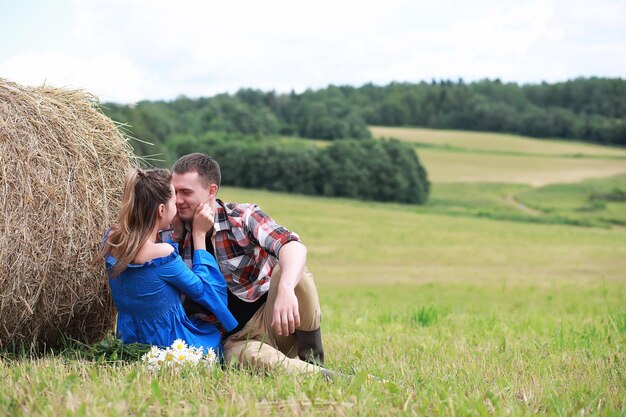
column 496, row 298
column 456, row 156
column 496, row 142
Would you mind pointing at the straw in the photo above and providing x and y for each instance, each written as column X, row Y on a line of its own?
column 62, row 163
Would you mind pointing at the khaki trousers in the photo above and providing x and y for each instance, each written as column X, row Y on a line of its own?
column 258, row 346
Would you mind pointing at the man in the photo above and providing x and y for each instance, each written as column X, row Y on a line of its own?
column 270, row 292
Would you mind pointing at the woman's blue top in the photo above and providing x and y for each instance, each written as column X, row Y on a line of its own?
column 147, row 298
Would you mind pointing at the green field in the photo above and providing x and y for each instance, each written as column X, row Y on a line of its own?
column 453, row 156
column 495, row 142
column 490, row 300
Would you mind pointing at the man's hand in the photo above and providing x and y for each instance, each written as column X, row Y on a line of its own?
column 286, row 318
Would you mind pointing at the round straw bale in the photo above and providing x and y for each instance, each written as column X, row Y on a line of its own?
column 62, row 164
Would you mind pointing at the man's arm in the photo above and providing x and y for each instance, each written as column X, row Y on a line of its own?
column 292, row 260
column 291, row 254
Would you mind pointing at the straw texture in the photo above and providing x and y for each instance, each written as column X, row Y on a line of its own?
column 62, row 163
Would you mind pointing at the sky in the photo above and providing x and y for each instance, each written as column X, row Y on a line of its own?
column 127, row 51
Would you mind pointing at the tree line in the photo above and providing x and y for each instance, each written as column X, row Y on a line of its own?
column 592, row 109
column 381, row 170
column 248, row 112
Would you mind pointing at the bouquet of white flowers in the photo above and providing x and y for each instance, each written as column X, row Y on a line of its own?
column 177, row 356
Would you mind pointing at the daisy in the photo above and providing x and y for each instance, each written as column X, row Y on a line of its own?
column 154, row 352
column 179, row 344
column 177, row 356
column 210, row 359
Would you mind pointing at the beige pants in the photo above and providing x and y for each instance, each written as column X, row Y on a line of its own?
column 257, row 345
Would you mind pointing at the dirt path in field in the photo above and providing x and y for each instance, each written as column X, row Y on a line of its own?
column 570, row 176
column 510, row 199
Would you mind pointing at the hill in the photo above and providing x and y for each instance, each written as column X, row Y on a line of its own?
column 520, row 178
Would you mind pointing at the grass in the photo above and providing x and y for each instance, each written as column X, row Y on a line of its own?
column 486, row 301
column 602, row 199
column 510, row 177
column 446, row 166
column 445, row 349
column 354, row 242
column 457, row 156
column 496, row 142
column 591, row 203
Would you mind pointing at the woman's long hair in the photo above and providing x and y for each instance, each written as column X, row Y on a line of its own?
column 144, row 191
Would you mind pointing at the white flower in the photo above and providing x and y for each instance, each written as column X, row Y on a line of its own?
column 210, row 359
column 179, row 344
column 180, row 355
column 154, row 352
column 195, row 351
column 177, row 356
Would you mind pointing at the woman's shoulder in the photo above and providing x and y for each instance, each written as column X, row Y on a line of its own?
column 158, row 254
column 162, row 250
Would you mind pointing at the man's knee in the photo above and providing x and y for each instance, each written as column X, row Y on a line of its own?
column 308, row 302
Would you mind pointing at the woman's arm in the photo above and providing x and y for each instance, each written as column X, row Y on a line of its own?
column 204, row 284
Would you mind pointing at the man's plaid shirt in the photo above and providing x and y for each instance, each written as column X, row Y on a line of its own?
column 246, row 242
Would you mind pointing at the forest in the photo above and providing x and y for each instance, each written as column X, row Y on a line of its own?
column 241, row 130
column 589, row 109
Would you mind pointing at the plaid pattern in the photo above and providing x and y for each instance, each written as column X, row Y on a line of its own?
column 186, row 248
column 246, row 242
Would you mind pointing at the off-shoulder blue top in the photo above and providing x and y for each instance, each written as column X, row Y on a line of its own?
column 147, row 298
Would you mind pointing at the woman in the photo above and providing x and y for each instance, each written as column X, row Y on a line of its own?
column 147, row 277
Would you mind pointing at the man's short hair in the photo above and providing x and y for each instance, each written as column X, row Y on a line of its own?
column 207, row 168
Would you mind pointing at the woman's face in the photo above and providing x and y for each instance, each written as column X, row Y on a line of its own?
column 169, row 210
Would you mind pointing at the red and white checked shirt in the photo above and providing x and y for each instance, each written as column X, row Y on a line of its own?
column 246, row 243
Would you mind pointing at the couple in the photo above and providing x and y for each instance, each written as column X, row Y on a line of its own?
column 242, row 275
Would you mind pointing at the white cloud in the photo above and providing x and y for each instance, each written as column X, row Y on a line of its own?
column 150, row 49
column 109, row 76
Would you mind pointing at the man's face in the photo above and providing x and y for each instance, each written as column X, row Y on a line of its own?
column 189, row 194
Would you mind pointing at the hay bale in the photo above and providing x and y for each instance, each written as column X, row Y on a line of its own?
column 62, row 164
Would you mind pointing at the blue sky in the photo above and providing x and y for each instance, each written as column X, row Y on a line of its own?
column 126, row 51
